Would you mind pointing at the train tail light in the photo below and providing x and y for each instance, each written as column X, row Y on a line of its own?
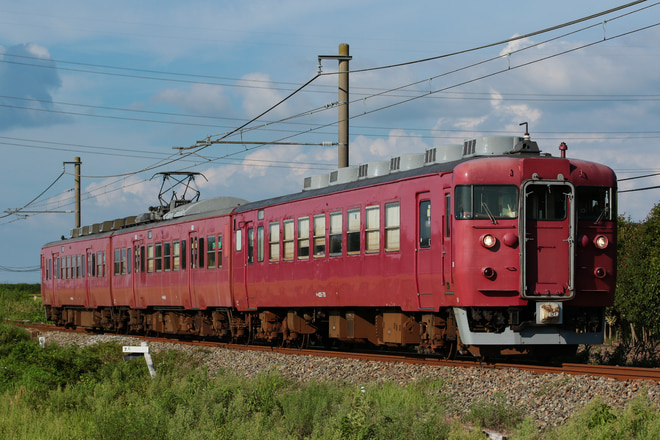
column 488, row 241
column 600, row 272
column 601, row 241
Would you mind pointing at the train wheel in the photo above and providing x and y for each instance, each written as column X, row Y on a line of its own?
column 449, row 350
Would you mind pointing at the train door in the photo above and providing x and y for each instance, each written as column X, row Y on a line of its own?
column 447, row 258
column 86, row 272
column 195, row 274
column 54, row 275
column 139, row 272
column 423, row 255
column 548, row 225
column 243, row 257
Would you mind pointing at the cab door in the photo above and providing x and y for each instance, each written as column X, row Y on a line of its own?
column 424, row 268
column 446, row 248
column 548, row 225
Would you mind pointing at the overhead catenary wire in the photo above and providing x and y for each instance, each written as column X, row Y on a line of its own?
column 401, row 102
column 202, row 146
column 510, row 40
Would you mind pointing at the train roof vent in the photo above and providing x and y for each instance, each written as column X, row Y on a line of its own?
column 129, row 221
column 443, row 153
column 118, row 223
column 343, row 175
column 490, row 145
column 406, row 162
column 373, row 169
column 106, row 226
column 316, row 182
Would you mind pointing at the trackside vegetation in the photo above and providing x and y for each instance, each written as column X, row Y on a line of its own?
column 91, row 393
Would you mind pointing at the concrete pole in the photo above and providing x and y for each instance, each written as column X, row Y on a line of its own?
column 343, row 106
column 76, row 187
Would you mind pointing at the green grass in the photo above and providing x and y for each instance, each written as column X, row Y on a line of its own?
column 21, row 302
column 81, row 393
column 91, row 393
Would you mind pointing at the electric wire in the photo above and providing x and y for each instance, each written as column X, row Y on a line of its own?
column 401, row 102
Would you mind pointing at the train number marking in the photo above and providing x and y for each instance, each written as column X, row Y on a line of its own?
column 321, row 295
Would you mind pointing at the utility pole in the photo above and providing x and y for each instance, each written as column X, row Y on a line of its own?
column 76, row 187
column 343, row 58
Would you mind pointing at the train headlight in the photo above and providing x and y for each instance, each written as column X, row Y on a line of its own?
column 600, row 272
column 488, row 241
column 601, row 242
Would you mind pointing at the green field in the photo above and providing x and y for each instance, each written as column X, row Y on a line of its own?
column 91, row 393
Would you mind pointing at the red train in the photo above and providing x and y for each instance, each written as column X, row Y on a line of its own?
column 482, row 247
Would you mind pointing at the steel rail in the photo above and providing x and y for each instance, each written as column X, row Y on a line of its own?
column 622, row 373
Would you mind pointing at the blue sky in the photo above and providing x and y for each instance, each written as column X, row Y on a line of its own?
column 120, row 84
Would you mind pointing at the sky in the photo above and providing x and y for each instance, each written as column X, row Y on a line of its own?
column 128, row 86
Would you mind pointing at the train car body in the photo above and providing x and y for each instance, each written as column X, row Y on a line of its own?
column 493, row 246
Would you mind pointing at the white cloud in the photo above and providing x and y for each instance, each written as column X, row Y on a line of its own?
column 38, row 51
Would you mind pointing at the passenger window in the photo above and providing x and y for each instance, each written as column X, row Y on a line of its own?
column 260, row 243
column 117, row 264
column 124, row 267
column 183, row 254
column 335, row 233
column 353, row 231
column 176, row 256
column 167, row 256
column 425, row 224
column 210, row 249
column 239, row 240
column 201, row 253
column 159, row 257
column 447, row 215
column 319, row 235
column 303, row 238
column 150, row 258
column 288, row 239
column 372, row 229
column 274, row 242
column 392, row 226
column 219, row 250
column 250, row 245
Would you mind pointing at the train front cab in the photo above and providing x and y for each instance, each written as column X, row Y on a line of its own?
column 541, row 274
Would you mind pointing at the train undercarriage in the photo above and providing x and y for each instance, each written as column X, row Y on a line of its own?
column 438, row 333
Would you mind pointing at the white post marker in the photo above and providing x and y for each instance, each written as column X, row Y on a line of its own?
column 136, row 352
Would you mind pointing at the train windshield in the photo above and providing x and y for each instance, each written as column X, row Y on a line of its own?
column 594, row 203
column 547, row 202
column 489, row 202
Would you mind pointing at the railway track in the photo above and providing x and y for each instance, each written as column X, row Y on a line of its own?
column 621, row 373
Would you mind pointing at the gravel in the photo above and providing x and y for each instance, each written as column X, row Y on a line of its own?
column 550, row 399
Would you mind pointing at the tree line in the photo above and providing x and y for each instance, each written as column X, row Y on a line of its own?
column 636, row 308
